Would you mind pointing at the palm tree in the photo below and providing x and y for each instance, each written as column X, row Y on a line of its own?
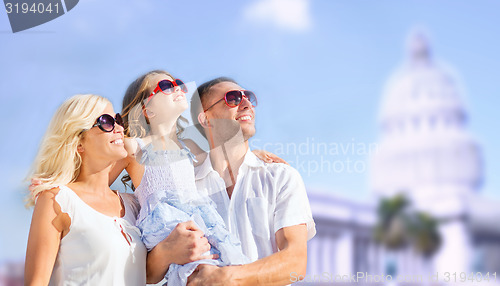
column 399, row 226
column 392, row 221
column 424, row 233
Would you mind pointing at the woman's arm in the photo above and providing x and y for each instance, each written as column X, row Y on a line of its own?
column 201, row 155
column 48, row 226
column 268, row 157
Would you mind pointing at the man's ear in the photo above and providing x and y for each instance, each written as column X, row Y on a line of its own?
column 203, row 120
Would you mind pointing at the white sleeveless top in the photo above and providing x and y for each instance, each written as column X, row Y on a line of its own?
column 99, row 249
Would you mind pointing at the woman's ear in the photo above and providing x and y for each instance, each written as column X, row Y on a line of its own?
column 80, row 148
column 203, row 120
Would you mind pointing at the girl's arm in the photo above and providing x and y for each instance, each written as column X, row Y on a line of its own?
column 117, row 169
column 131, row 147
column 48, row 226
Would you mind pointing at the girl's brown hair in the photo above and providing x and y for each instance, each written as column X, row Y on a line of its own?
column 136, row 93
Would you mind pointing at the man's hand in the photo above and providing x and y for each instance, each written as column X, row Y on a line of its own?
column 209, row 275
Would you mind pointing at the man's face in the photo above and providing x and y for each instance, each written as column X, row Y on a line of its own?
column 228, row 118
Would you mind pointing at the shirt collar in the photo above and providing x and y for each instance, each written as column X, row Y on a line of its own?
column 251, row 160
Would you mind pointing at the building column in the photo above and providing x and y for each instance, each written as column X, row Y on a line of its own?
column 313, row 256
column 327, row 254
column 455, row 252
column 344, row 254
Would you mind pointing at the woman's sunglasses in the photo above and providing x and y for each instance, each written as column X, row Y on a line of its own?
column 106, row 122
column 167, row 87
column 233, row 98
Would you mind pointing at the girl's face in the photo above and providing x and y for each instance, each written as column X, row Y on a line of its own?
column 100, row 146
column 165, row 107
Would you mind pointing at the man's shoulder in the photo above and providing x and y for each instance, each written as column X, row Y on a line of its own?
column 275, row 169
column 282, row 168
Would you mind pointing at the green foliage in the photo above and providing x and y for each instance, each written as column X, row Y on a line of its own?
column 398, row 226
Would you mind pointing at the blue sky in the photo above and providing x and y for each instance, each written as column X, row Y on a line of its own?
column 317, row 67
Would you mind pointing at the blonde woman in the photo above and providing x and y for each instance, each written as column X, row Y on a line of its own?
column 82, row 232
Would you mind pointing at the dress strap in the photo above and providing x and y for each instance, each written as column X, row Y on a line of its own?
column 141, row 143
column 190, row 154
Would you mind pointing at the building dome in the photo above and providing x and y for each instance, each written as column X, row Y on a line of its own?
column 424, row 148
column 422, row 93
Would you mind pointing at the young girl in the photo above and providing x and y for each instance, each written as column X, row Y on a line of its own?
column 160, row 166
column 82, row 232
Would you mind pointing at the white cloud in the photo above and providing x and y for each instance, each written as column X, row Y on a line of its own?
column 291, row 15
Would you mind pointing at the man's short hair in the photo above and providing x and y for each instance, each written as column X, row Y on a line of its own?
column 198, row 102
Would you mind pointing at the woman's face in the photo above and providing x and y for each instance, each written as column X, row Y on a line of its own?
column 164, row 107
column 99, row 146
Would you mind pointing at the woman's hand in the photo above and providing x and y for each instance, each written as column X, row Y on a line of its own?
column 268, row 157
column 186, row 243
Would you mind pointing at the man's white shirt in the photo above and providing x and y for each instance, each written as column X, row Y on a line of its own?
column 266, row 198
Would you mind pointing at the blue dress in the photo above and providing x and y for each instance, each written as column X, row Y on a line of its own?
column 168, row 195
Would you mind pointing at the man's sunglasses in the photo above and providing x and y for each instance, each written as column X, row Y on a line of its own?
column 106, row 122
column 167, row 87
column 233, row 98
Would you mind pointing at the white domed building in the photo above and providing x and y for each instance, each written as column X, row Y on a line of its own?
column 426, row 153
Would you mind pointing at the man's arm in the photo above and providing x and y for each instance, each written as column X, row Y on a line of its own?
column 276, row 269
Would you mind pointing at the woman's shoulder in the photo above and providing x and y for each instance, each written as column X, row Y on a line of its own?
column 47, row 195
column 54, row 201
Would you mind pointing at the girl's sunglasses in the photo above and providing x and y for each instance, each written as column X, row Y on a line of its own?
column 167, row 87
column 233, row 98
column 106, row 122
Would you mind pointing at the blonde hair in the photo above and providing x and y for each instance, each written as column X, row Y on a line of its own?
column 58, row 161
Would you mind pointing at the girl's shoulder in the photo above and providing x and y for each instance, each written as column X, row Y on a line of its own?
column 199, row 153
column 133, row 144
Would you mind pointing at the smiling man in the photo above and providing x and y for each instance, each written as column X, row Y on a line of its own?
column 264, row 205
